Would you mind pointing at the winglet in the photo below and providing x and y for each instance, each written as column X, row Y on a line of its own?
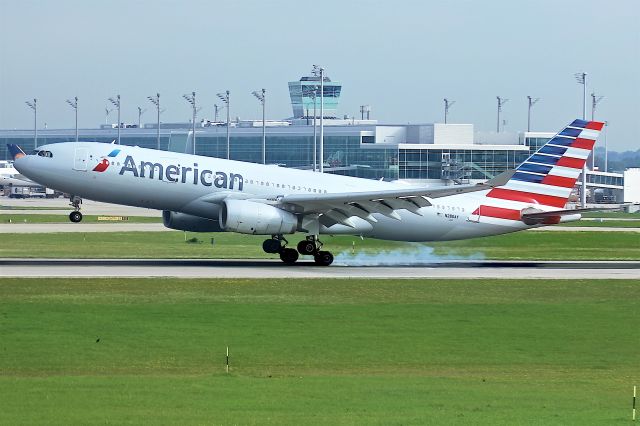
column 15, row 151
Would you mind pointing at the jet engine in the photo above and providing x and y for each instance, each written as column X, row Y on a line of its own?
column 248, row 217
column 187, row 222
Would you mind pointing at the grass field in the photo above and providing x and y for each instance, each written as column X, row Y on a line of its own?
column 536, row 245
column 318, row 351
column 608, row 223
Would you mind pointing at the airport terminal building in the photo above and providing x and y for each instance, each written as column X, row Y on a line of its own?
column 429, row 154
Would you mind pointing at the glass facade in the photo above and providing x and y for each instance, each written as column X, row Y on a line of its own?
column 535, row 143
column 601, row 179
column 347, row 151
column 457, row 164
column 302, row 97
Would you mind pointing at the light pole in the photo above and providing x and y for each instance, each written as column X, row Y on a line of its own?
column 447, row 105
column 156, row 102
column 606, row 151
column 532, row 102
column 501, row 102
column 318, row 70
column 261, row 96
column 224, row 97
column 140, row 112
column 107, row 111
column 314, row 96
column 365, row 109
column 192, row 100
column 594, row 102
column 116, row 103
column 581, row 78
column 74, row 105
column 34, row 106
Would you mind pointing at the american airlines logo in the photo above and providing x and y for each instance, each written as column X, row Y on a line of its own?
column 177, row 173
column 104, row 164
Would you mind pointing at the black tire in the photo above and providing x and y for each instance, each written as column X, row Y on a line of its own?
column 288, row 256
column 75, row 217
column 271, row 246
column 323, row 258
column 306, row 247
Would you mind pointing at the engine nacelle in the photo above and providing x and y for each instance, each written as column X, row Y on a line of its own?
column 248, row 217
column 187, row 222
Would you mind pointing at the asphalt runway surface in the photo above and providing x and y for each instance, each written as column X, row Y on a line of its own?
column 236, row 268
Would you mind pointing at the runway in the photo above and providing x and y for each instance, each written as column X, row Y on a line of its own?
column 235, row 268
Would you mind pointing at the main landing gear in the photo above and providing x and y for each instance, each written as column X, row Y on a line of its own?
column 310, row 246
column 75, row 216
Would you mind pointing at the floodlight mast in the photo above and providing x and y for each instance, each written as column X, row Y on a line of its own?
column 156, row 102
column 34, row 106
column 319, row 71
column 501, row 102
column 116, row 103
column 314, row 96
column 261, row 96
column 140, row 112
column 581, row 78
column 595, row 99
column 107, row 111
column 224, row 97
column 192, row 100
column 532, row 102
column 74, row 105
column 447, row 105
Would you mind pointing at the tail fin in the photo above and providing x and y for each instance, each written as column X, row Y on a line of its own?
column 15, row 151
column 548, row 176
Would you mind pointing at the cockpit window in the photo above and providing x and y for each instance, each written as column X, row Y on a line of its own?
column 41, row 153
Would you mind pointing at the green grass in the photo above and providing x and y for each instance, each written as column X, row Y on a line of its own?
column 494, row 352
column 609, row 223
column 618, row 215
column 534, row 245
column 59, row 218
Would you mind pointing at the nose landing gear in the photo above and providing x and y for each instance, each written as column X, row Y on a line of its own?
column 75, row 216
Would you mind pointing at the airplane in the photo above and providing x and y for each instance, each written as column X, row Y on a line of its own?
column 205, row 194
column 9, row 176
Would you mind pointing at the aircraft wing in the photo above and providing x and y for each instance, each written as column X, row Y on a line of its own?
column 338, row 207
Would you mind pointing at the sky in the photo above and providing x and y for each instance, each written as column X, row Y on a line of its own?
column 401, row 57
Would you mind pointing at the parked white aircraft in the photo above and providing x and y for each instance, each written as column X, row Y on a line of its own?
column 210, row 194
column 9, row 176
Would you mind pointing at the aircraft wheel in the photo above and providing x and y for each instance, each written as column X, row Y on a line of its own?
column 323, row 258
column 271, row 245
column 75, row 217
column 289, row 256
column 306, row 247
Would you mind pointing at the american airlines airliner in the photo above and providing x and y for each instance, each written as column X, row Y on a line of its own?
column 204, row 194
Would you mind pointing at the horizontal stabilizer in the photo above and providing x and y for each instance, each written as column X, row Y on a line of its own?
column 553, row 217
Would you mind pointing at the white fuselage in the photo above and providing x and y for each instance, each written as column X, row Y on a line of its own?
column 196, row 185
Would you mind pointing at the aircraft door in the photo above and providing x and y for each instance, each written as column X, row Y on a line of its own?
column 80, row 159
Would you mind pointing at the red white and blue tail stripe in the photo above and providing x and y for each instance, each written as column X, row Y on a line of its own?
column 548, row 176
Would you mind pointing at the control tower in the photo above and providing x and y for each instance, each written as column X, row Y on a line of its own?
column 302, row 97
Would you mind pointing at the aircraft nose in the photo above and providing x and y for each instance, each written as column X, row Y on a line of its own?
column 23, row 164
